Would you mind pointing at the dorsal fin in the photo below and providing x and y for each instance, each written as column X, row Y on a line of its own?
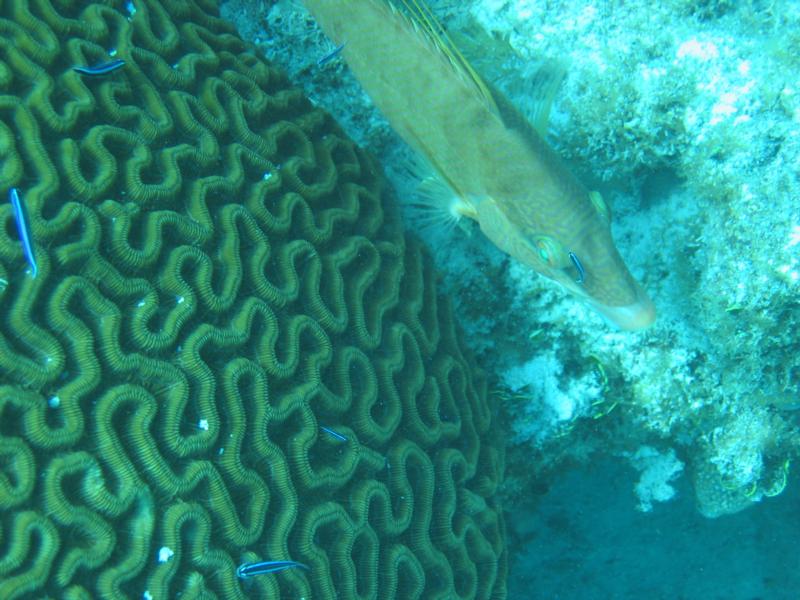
column 544, row 87
column 423, row 20
column 503, row 67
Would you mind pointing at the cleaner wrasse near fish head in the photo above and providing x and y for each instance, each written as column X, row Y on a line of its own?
column 497, row 166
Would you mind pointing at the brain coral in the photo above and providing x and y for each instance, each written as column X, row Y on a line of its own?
column 219, row 279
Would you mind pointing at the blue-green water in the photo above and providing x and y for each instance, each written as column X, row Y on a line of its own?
column 581, row 539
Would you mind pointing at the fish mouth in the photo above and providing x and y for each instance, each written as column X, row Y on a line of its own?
column 638, row 315
column 632, row 317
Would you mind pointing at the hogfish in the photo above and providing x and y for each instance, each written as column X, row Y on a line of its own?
column 499, row 169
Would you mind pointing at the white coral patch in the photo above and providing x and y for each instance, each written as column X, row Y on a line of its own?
column 698, row 50
column 165, row 553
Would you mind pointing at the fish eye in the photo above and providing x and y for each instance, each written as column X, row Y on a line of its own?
column 549, row 251
column 576, row 262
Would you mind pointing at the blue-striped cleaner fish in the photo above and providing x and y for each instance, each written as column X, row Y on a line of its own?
column 265, row 567
column 497, row 166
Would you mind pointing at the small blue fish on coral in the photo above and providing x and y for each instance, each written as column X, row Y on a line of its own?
column 23, row 229
column 331, row 55
column 265, row 567
column 101, row 69
column 332, row 433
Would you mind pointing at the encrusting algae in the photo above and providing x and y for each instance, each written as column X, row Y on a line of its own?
column 497, row 166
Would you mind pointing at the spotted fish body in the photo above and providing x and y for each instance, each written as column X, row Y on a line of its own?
column 500, row 170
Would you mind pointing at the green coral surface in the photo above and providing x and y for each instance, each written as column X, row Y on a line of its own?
column 219, row 279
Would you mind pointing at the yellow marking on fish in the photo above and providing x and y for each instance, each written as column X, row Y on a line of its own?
column 501, row 171
column 420, row 12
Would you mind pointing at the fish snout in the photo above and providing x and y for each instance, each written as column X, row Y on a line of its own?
column 632, row 317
